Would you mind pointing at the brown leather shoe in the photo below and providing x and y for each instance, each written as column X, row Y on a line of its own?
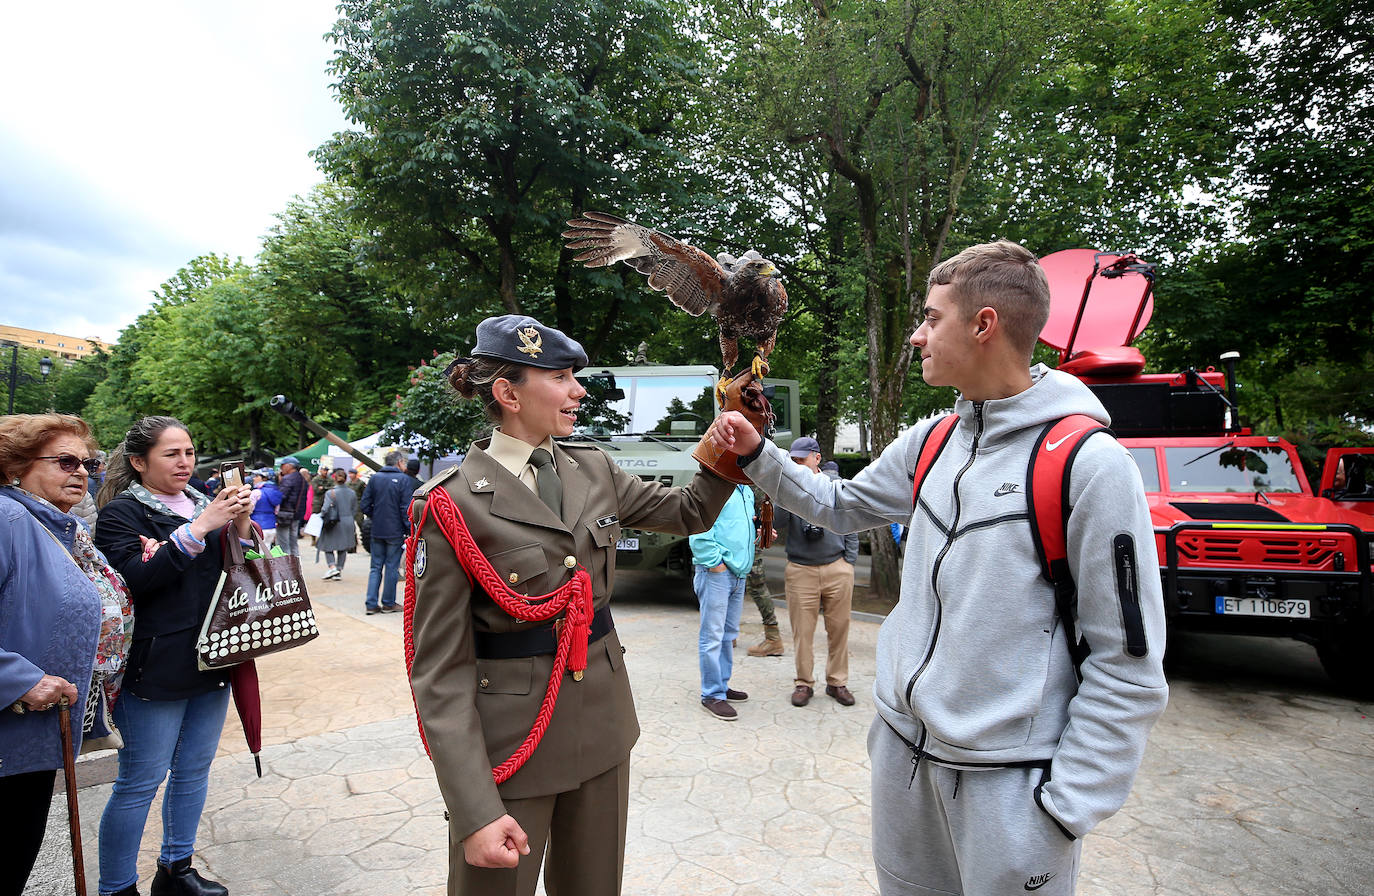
column 735, row 696
column 801, row 695
column 719, row 708
column 840, row 693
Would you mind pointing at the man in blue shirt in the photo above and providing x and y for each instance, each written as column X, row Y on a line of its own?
column 386, row 499
column 721, row 559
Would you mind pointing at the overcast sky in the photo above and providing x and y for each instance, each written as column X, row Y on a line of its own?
column 136, row 136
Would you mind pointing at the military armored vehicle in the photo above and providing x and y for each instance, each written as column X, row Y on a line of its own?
column 648, row 418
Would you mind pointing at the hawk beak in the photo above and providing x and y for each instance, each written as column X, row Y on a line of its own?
column 768, row 270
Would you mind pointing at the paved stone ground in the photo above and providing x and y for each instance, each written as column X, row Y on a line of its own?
column 1256, row 781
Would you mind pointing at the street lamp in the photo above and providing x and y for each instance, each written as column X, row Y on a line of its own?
column 44, row 367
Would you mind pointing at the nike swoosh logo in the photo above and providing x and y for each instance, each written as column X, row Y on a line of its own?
column 1050, row 446
column 1033, row 884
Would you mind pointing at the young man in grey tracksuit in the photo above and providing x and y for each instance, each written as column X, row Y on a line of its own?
column 990, row 758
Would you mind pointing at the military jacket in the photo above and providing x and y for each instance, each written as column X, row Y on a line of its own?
column 477, row 712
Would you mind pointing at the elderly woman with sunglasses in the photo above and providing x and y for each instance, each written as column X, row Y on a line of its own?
column 63, row 623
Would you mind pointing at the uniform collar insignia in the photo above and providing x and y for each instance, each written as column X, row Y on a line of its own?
column 532, row 342
column 481, row 483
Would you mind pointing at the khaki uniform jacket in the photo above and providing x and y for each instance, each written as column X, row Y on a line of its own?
column 477, row 712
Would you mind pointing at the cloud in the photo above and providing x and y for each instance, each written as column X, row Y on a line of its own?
column 144, row 135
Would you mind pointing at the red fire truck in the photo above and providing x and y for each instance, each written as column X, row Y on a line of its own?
column 1246, row 545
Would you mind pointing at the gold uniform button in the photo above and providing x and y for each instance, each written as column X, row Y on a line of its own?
column 570, row 561
column 485, row 682
column 514, row 577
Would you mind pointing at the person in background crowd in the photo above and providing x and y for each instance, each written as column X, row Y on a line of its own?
column 386, row 499
column 413, row 471
column 536, row 526
column 86, row 510
column 295, row 493
column 94, row 481
column 357, row 483
column 338, row 537
column 819, row 582
column 62, row 624
column 167, row 540
column 721, row 558
column 212, row 484
column 320, row 484
column 266, row 500
column 756, row 587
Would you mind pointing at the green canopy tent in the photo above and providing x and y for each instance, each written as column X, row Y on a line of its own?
column 310, row 457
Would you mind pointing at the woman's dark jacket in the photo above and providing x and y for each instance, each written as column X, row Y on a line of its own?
column 171, row 594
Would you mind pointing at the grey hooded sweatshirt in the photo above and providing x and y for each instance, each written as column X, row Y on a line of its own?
column 973, row 663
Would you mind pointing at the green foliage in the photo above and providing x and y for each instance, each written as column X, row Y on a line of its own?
column 431, row 415
column 485, row 125
column 20, row 374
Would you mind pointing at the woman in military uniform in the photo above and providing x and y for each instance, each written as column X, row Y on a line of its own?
column 532, row 518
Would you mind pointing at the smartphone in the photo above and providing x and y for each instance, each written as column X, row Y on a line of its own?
column 231, row 474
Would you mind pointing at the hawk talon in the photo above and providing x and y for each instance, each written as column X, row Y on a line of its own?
column 722, row 385
column 760, row 367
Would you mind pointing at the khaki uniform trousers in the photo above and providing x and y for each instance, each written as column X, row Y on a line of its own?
column 820, row 591
column 583, row 833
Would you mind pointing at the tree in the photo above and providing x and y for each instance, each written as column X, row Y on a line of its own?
column 429, row 414
column 1288, row 288
column 127, row 393
column 485, row 125
column 895, row 102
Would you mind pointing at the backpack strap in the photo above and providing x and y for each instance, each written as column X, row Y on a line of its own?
column 1047, row 500
column 931, row 446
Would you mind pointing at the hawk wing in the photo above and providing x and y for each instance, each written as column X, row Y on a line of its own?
column 691, row 278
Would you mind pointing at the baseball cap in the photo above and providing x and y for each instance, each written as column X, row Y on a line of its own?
column 804, row 447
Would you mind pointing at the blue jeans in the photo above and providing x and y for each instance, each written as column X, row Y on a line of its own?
column 288, row 537
column 160, row 736
column 385, row 569
column 721, row 596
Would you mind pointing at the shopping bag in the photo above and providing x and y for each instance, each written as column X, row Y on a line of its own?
column 260, row 607
column 315, row 526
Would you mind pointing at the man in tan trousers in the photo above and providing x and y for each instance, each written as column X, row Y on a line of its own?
column 819, row 582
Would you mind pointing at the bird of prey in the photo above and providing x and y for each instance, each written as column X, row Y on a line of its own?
column 744, row 294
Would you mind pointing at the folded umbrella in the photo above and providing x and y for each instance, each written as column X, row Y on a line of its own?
column 243, row 679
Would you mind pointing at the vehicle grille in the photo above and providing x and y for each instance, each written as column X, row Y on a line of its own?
column 1291, row 550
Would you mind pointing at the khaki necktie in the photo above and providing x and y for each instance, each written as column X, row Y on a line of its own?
column 546, row 481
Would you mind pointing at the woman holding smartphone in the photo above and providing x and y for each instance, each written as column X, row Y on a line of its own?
column 533, row 517
column 166, row 539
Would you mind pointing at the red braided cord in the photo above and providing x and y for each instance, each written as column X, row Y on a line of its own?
column 409, row 614
column 574, row 597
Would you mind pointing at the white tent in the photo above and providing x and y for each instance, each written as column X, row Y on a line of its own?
column 372, row 446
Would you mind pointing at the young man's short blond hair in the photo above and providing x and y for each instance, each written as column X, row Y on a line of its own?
column 1003, row 276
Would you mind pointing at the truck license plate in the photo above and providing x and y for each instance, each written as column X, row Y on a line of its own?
column 1254, row 606
column 627, row 544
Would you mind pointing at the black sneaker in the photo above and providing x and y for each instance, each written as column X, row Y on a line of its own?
column 719, row 708
column 735, row 696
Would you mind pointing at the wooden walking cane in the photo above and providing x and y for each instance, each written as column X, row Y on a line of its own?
column 64, row 722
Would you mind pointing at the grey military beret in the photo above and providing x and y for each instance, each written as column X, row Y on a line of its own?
column 524, row 340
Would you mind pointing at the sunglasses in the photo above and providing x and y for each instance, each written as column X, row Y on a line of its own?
column 70, row 462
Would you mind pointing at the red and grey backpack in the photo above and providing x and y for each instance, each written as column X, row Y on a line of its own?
column 1047, row 500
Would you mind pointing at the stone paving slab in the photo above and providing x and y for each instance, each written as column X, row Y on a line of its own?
column 1256, row 780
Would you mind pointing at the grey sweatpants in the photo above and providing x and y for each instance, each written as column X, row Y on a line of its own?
column 969, row 833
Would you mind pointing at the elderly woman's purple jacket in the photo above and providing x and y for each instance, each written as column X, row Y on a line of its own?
column 49, row 623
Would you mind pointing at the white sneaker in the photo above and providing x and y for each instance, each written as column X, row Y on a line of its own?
column 332, row 574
